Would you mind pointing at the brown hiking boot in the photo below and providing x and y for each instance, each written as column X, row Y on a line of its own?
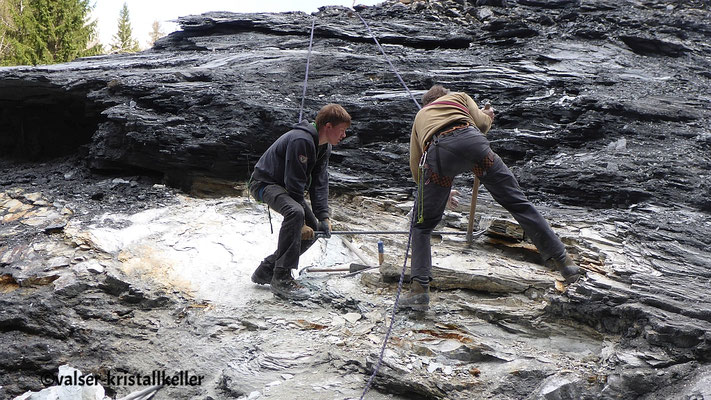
column 263, row 274
column 566, row 267
column 284, row 285
column 418, row 298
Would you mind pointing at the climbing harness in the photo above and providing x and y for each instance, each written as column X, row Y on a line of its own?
column 259, row 196
column 441, row 180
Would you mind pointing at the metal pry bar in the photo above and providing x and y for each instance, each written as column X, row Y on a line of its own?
column 322, row 234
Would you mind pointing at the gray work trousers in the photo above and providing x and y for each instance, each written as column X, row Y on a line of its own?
column 289, row 246
column 468, row 150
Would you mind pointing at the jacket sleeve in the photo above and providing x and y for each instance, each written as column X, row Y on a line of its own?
column 319, row 187
column 295, row 168
column 481, row 120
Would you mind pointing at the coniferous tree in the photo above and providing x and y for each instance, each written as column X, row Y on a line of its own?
column 4, row 25
column 155, row 34
column 22, row 35
column 123, row 39
column 46, row 31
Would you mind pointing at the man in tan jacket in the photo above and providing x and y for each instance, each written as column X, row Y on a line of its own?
column 445, row 143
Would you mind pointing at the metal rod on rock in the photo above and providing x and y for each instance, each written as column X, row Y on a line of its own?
column 327, row 269
column 321, row 233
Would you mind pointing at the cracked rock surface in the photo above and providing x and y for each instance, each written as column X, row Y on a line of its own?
column 125, row 248
column 129, row 286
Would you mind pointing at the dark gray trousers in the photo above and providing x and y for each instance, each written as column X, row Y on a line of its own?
column 466, row 150
column 289, row 246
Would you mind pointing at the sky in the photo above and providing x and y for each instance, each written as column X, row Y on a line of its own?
column 142, row 13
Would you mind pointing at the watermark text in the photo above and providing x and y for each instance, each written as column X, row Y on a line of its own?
column 112, row 378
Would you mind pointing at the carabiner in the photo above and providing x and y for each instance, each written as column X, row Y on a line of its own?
column 423, row 159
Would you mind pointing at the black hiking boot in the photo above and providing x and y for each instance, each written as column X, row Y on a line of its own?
column 566, row 267
column 418, row 298
column 284, row 285
column 263, row 274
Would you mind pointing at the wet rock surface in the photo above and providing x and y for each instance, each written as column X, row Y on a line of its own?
column 602, row 113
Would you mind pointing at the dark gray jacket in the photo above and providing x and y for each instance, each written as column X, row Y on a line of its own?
column 296, row 162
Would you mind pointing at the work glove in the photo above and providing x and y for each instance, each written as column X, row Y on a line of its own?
column 307, row 233
column 325, row 226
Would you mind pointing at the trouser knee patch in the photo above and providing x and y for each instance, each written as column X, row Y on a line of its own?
column 483, row 166
column 437, row 179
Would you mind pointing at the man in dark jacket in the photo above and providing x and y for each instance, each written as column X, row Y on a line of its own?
column 295, row 163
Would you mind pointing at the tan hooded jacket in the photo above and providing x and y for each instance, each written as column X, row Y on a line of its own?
column 435, row 117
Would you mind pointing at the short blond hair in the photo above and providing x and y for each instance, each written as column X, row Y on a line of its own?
column 333, row 113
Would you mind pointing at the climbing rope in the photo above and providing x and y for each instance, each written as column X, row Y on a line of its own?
column 301, row 110
column 412, row 224
column 388, row 60
column 392, row 314
column 306, row 76
column 412, row 221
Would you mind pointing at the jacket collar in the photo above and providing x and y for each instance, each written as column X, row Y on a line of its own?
column 308, row 127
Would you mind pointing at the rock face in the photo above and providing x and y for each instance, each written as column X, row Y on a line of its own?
column 603, row 109
column 568, row 79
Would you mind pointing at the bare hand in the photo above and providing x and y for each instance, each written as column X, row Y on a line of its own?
column 453, row 200
column 488, row 111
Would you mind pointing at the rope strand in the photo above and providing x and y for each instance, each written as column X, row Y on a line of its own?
column 306, row 76
column 388, row 60
column 412, row 224
column 412, row 221
column 392, row 314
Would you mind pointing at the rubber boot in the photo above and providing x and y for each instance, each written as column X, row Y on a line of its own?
column 566, row 267
column 284, row 285
column 263, row 274
column 418, row 298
